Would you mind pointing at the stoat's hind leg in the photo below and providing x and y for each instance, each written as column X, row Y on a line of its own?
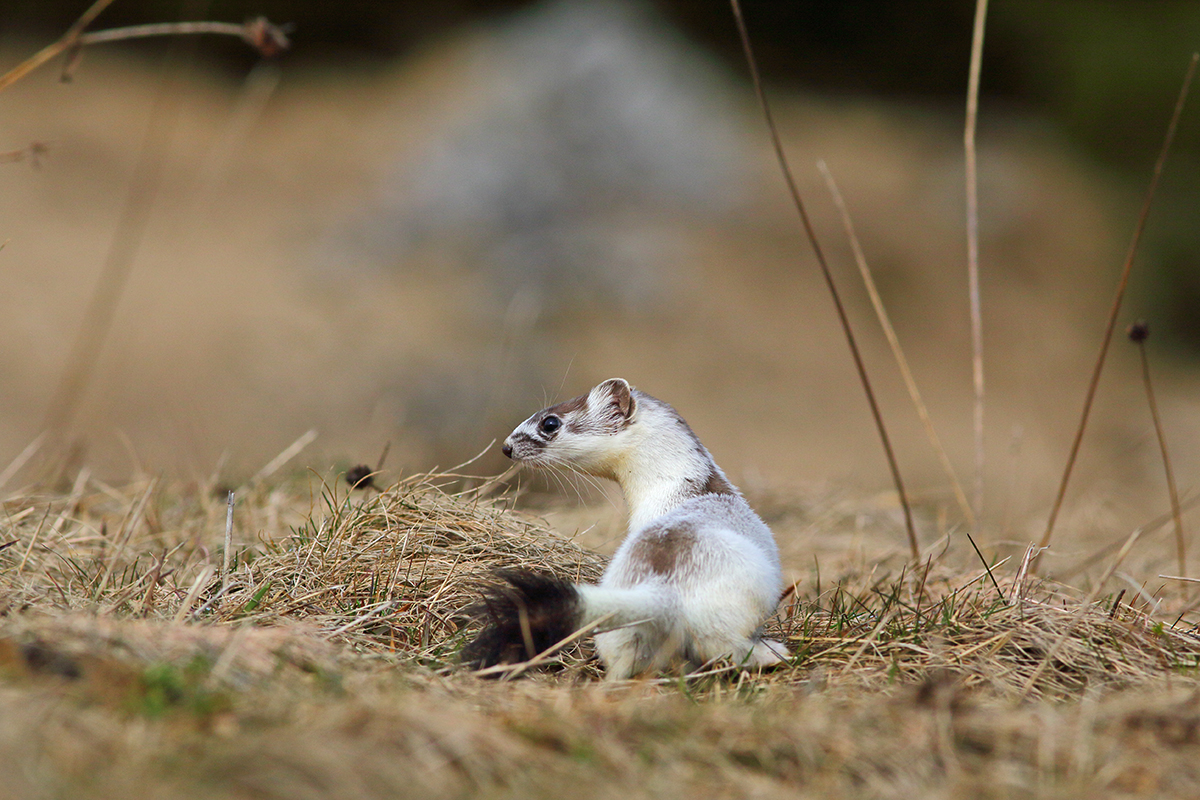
column 618, row 651
column 629, row 652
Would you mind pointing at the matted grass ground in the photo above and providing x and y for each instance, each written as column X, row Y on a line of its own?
column 323, row 665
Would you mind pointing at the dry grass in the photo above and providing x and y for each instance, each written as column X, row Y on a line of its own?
column 395, row 571
column 324, row 666
column 388, row 572
column 1039, row 642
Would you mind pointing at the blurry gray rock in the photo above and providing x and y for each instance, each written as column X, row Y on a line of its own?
column 603, row 134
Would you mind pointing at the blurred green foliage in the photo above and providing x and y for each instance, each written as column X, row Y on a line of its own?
column 166, row 688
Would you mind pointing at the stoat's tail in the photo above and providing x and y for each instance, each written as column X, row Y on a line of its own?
column 530, row 611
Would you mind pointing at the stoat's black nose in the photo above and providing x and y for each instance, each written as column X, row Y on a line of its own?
column 507, row 449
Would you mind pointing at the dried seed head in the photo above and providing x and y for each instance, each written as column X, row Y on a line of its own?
column 269, row 39
column 360, row 477
column 1139, row 331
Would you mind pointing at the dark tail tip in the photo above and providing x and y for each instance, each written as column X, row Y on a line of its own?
column 524, row 613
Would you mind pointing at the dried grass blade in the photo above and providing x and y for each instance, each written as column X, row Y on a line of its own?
column 228, row 554
column 354, row 623
column 198, row 585
column 32, row 541
column 885, row 322
column 22, row 458
column 1153, row 525
column 128, row 526
column 1018, row 592
column 155, row 576
column 869, row 640
column 1179, row 578
column 1172, row 489
column 73, row 500
column 289, row 452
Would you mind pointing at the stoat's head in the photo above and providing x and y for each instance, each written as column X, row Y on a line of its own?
column 586, row 433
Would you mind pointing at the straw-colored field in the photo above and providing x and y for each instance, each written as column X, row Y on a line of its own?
column 322, row 664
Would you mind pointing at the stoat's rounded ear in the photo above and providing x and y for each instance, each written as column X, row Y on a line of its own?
column 618, row 393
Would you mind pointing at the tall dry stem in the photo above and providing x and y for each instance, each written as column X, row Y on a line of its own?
column 973, row 246
column 1139, row 332
column 811, row 233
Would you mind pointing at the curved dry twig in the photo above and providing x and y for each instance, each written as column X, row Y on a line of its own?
column 269, row 39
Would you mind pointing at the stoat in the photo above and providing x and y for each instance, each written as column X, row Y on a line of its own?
column 697, row 575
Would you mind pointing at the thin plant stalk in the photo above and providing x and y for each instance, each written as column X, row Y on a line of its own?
column 1122, row 284
column 1138, row 333
column 288, row 453
column 228, row 554
column 885, row 322
column 810, row 232
column 973, row 245
column 69, row 40
column 240, row 30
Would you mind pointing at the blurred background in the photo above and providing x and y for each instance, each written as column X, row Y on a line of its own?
column 429, row 219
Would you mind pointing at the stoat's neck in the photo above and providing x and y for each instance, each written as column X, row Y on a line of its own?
column 661, row 467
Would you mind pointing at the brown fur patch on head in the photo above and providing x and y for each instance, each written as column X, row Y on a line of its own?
column 664, row 551
column 569, row 411
column 606, row 409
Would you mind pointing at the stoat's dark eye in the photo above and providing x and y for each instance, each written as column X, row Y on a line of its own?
column 550, row 424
